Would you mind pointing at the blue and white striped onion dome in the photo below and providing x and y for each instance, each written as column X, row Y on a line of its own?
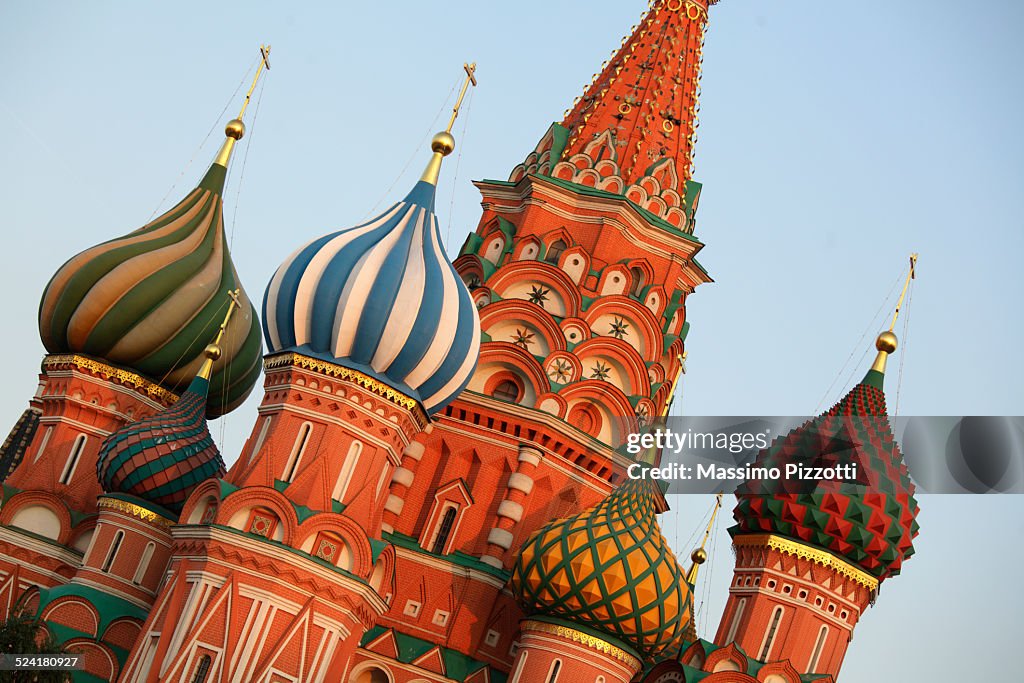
column 381, row 298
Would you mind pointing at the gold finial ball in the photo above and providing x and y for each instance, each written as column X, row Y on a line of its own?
column 212, row 351
column 235, row 129
column 443, row 142
column 886, row 342
column 699, row 556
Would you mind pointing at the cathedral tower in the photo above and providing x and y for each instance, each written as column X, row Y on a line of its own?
column 811, row 559
column 279, row 569
column 125, row 324
column 580, row 267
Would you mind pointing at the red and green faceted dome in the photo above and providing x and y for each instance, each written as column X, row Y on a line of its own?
column 163, row 457
column 150, row 300
column 872, row 523
column 608, row 570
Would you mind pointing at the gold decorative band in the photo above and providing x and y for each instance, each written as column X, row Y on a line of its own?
column 822, row 557
column 126, row 377
column 341, row 372
column 584, row 639
column 134, row 510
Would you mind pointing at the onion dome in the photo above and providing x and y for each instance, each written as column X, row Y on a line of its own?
column 870, row 523
column 163, row 457
column 383, row 299
column 610, row 571
column 149, row 300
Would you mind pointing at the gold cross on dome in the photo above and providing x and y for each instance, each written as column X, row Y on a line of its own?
column 470, row 78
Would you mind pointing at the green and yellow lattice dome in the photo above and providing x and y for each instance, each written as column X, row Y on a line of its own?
column 609, row 570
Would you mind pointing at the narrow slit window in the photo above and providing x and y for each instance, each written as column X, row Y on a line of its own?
column 112, row 553
column 72, row 462
column 818, row 647
column 555, row 668
column 734, row 627
column 770, row 636
column 147, row 555
column 444, row 530
column 202, row 669
column 301, row 441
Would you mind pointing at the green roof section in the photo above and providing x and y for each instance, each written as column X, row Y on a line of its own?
column 458, row 666
column 108, row 606
column 603, row 194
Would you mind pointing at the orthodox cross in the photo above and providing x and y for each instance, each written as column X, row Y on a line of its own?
column 899, row 304
column 470, row 78
column 264, row 62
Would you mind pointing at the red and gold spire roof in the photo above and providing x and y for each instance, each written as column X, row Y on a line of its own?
column 634, row 129
column 148, row 301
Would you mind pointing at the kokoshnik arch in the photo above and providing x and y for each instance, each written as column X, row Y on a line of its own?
column 434, row 486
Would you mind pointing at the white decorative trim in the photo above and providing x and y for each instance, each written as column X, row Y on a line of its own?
column 394, row 504
column 402, row 476
column 530, row 455
column 500, row 538
column 510, row 509
column 520, row 482
column 492, row 561
column 208, row 533
column 414, row 450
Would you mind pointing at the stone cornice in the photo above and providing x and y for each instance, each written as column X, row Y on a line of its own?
column 584, row 639
column 815, row 555
column 282, row 360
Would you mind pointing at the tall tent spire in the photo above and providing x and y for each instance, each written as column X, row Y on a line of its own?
column 646, row 95
column 633, row 130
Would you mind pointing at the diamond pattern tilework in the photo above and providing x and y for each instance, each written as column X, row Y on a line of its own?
column 872, row 523
column 609, row 569
column 163, row 457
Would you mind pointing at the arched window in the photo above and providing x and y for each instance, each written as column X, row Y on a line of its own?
column 507, row 390
column 555, row 668
column 202, row 669
column 819, row 645
column 769, row 637
column 740, row 606
column 112, row 553
column 349, row 466
column 555, row 251
column 76, row 452
column 637, row 275
column 444, row 530
column 261, row 438
column 372, row 675
column 147, row 555
column 522, row 665
column 297, row 450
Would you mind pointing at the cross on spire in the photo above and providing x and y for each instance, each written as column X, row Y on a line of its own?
column 470, row 78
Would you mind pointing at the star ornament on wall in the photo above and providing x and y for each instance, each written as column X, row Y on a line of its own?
column 539, row 294
column 560, row 371
column 620, row 328
column 643, row 417
column 523, row 338
column 600, row 371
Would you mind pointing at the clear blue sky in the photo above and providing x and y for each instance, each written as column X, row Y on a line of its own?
column 835, row 139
